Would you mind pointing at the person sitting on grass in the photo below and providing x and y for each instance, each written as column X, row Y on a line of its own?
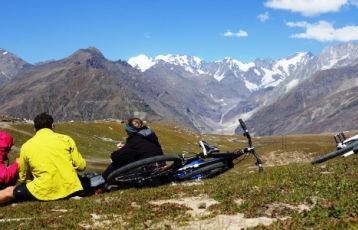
column 8, row 174
column 48, row 165
column 141, row 143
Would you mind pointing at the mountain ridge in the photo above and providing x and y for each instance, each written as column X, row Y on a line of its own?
column 207, row 96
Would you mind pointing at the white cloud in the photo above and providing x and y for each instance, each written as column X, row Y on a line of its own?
column 297, row 24
column 308, row 7
column 239, row 34
column 354, row 2
column 324, row 31
column 263, row 17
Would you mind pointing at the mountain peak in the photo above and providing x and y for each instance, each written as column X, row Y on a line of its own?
column 10, row 65
column 141, row 62
column 3, row 52
column 338, row 55
column 90, row 51
column 179, row 59
column 7, row 55
column 235, row 64
column 90, row 56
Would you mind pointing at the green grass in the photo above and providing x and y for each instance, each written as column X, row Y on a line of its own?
column 330, row 188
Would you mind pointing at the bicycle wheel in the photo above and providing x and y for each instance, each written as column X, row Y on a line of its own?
column 144, row 171
column 205, row 171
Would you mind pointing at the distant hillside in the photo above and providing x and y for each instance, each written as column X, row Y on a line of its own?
column 325, row 102
column 10, row 65
column 206, row 96
column 84, row 86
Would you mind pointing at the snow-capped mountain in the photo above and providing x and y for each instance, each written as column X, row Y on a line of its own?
column 337, row 56
column 243, row 89
column 191, row 64
column 319, row 92
column 327, row 101
column 254, row 75
column 208, row 96
column 228, row 82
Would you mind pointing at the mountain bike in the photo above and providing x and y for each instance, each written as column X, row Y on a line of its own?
column 210, row 162
column 170, row 168
column 344, row 147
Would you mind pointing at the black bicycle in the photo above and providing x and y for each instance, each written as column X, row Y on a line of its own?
column 344, row 147
column 168, row 168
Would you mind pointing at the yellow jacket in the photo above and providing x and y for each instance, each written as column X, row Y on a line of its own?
column 48, row 164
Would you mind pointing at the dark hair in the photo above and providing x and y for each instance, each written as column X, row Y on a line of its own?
column 43, row 120
column 135, row 119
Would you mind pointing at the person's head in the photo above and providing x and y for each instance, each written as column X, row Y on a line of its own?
column 6, row 142
column 43, row 120
column 134, row 125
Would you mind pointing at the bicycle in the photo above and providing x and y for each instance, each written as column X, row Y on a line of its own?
column 170, row 168
column 344, row 147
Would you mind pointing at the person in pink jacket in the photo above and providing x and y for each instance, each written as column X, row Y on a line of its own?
column 8, row 174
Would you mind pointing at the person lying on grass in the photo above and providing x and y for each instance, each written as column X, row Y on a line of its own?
column 8, row 174
column 141, row 143
column 48, row 166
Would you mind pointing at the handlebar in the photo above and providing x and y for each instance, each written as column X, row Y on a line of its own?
column 251, row 148
column 352, row 147
column 246, row 132
column 243, row 125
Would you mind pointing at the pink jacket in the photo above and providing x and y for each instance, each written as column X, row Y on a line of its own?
column 8, row 175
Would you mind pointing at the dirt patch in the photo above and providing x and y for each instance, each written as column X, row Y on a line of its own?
column 278, row 158
column 14, row 219
column 198, row 206
column 59, row 210
column 229, row 222
column 102, row 221
column 190, row 183
column 198, row 209
column 108, row 199
column 239, row 201
column 283, row 210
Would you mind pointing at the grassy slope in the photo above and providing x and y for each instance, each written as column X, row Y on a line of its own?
column 333, row 185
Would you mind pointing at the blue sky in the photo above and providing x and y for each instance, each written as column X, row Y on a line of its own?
column 40, row 30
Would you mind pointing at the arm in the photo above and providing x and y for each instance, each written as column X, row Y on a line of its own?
column 11, row 173
column 77, row 160
column 126, row 152
column 24, row 174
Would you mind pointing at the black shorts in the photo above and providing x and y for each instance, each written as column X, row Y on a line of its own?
column 21, row 193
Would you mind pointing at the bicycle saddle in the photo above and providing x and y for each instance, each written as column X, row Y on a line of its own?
column 208, row 149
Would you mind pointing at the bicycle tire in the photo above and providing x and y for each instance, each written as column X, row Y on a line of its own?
column 333, row 154
column 145, row 170
column 207, row 171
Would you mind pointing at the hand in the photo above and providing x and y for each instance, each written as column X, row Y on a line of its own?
column 120, row 145
column 17, row 160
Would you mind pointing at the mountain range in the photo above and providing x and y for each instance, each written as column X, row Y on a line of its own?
column 302, row 93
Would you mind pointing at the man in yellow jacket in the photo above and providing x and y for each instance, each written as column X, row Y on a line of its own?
column 48, row 165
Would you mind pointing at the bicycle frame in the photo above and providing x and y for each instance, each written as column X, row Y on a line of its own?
column 202, row 159
column 344, row 147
